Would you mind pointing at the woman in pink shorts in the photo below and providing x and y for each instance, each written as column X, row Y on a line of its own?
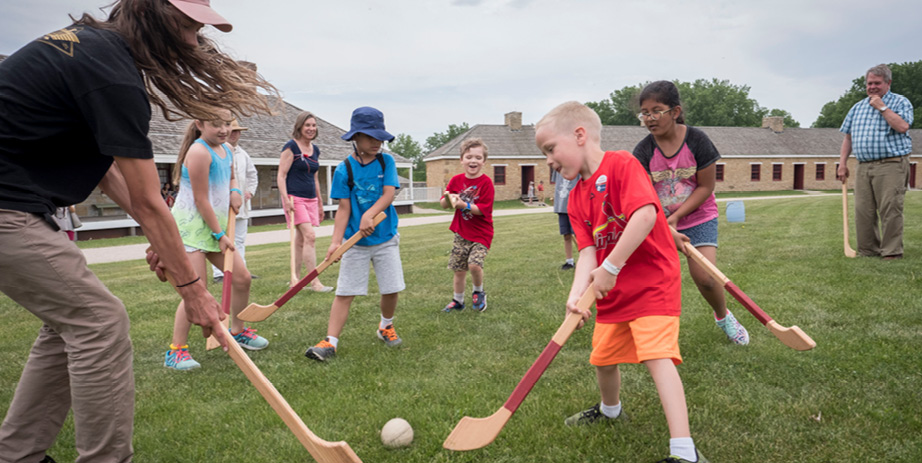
column 297, row 179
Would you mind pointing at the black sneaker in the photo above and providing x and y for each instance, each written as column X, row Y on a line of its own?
column 453, row 305
column 567, row 266
column 675, row 459
column 322, row 351
column 591, row 416
column 218, row 279
column 47, row 459
column 479, row 301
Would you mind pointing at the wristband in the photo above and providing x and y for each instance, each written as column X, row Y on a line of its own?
column 217, row 236
column 610, row 267
column 237, row 190
column 468, row 208
column 189, row 283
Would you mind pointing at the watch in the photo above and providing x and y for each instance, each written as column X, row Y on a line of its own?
column 883, row 109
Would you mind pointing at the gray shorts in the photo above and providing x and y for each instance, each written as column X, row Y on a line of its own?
column 353, row 269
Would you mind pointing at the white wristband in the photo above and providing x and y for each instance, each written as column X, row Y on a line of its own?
column 610, row 267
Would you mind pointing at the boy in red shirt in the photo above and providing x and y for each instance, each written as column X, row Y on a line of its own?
column 618, row 223
column 471, row 195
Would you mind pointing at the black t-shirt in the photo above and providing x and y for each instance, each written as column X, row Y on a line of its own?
column 69, row 101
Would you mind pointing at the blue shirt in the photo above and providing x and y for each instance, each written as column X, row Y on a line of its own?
column 872, row 137
column 369, row 181
column 300, row 179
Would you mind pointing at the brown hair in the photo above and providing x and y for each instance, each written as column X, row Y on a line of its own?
column 194, row 79
column 299, row 124
column 473, row 143
column 191, row 134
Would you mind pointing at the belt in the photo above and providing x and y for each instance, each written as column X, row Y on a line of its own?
column 885, row 160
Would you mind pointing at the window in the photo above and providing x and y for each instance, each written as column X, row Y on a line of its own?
column 755, row 172
column 719, row 172
column 274, row 174
column 821, row 171
column 499, row 175
column 776, row 172
column 164, row 173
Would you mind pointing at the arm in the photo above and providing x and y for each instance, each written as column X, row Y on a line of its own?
column 707, row 180
column 896, row 122
column 134, row 185
column 198, row 162
column 638, row 227
column 285, row 160
column 319, row 196
column 252, row 178
column 339, row 225
column 844, row 152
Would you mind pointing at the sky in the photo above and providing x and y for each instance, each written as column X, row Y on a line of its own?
column 430, row 63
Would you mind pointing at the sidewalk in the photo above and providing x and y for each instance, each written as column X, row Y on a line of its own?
column 136, row 251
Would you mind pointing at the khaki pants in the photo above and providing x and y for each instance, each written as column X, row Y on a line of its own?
column 82, row 357
column 880, row 188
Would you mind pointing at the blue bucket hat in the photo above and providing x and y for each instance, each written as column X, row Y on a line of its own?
column 369, row 121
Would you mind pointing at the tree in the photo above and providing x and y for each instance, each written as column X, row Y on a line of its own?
column 409, row 148
column 705, row 103
column 907, row 81
column 438, row 139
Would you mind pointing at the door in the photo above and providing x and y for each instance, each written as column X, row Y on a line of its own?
column 528, row 176
column 798, row 176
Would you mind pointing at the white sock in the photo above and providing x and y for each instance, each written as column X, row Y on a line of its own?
column 611, row 411
column 683, row 447
column 459, row 297
column 570, row 261
column 333, row 340
column 478, row 288
column 385, row 322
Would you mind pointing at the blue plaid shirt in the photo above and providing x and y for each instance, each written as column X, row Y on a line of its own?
column 872, row 137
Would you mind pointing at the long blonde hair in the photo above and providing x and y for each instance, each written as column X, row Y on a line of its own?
column 194, row 79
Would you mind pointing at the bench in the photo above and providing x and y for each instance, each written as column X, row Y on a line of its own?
column 108, row 209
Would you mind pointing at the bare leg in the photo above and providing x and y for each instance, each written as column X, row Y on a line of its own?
column 240, row 288
column 609, row 378
column 459, row 280
column 339, row 313
column 181, row 323
column 307, row 253
column 476, row 275
column 568, row 247
column 671, row 394
column 389, row 304
column 712, row 291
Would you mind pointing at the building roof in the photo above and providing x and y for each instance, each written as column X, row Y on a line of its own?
column 504, row 142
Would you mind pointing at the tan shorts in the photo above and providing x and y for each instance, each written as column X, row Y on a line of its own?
column 635, row 341
column 465, row 253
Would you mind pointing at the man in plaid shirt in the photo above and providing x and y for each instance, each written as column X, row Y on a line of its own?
column 876, row 129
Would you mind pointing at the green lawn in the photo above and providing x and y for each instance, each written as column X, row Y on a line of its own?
column 855, row 398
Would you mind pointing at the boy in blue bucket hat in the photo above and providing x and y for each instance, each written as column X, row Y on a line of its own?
column 365, row 184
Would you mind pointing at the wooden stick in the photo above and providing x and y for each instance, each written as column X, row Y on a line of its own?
column 292, row 233
column 227, row 288
column 474, row 433
column 792, row 337
column 257, row 313
column 849, row 252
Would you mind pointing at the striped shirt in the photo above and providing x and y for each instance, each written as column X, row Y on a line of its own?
column 872, row 137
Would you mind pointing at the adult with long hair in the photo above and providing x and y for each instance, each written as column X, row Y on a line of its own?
column 299, row 187
column 90, row 87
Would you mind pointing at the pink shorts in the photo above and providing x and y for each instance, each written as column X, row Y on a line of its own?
column 306, row 210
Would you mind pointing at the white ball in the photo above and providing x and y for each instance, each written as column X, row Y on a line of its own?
column 397, row 433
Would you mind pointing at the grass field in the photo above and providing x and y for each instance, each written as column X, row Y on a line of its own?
column 855, row 398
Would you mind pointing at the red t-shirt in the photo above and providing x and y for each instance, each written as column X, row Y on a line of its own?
column 599, row 208
column 479, row 191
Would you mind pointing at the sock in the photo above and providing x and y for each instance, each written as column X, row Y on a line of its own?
column 459, row 297
column 385, row 322
column 478, row 288
column 611, row 411
column 570, row 261
column 333, row 340
column 683, row 447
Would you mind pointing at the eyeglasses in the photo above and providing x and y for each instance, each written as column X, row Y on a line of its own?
column 654, row 116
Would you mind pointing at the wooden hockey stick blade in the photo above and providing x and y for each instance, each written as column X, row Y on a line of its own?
column 257, row 313
column 849, row 252
column 474, row 433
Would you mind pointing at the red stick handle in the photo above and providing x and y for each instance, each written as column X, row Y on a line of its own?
column 531, row 377
column 748, row 303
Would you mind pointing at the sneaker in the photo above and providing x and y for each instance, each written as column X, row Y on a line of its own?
column 47, row 459
column 179, row 359
column 218, row 279
column 248, row 339
column 389, row 336
column 479, row 301
column 591, row 416
column 733, row 329
column 254, row 277
column 322, row 351
column 323, row 289
column 675, row 459
column 566, row 266
column 453, row 305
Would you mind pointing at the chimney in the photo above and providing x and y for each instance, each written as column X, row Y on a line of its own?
column 514, row 120
column 776, row 123
column 247, row 64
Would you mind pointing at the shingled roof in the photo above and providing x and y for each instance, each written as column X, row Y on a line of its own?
column 505, row 142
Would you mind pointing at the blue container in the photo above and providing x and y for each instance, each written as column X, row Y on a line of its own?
column 736, row 211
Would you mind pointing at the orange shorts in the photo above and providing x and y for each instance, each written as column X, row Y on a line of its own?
column 645, row 338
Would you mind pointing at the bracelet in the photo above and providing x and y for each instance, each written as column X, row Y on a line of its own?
column 468, row 208
column 237, row 190
column 610, row 267
column 190, row 283
column 217, row 236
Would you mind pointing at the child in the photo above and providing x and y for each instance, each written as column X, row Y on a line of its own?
column 681, row 161
column 471, row 195
column 206, row 190
column 561, row 196
column 365, row 184
column 541, row 192
column 618, row 223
